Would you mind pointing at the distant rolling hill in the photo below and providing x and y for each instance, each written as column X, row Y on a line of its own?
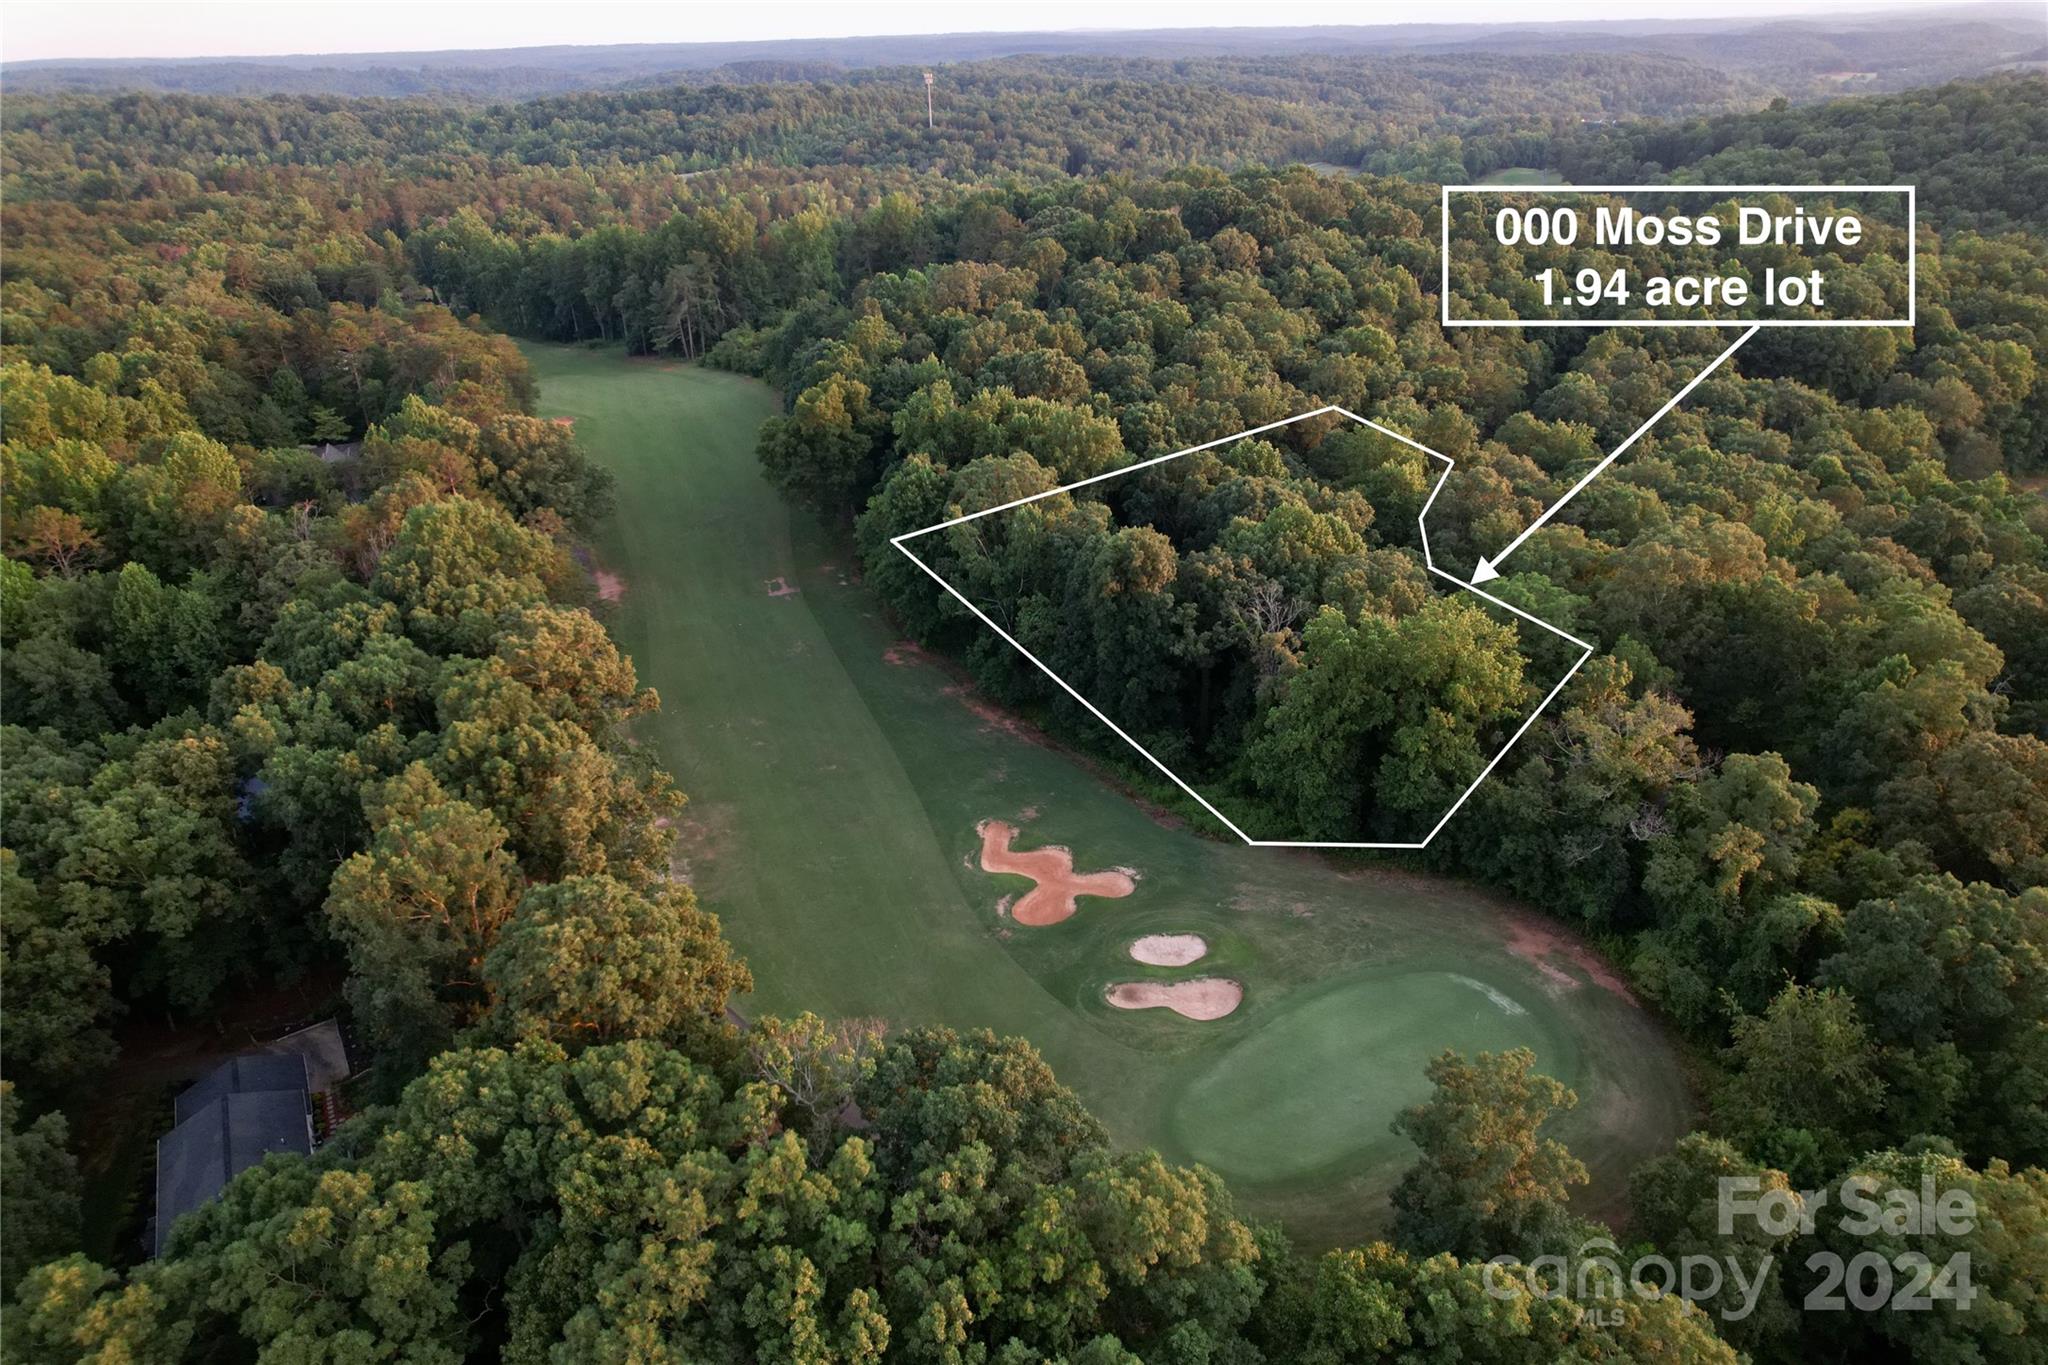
column 1802, row 57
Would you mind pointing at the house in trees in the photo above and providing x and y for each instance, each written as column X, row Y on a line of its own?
column 228, row 1121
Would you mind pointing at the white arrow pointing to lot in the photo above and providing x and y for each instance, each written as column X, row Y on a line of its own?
column 1489, row 569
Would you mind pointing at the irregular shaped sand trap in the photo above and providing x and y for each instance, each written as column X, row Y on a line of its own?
column 1052, row 900
column 1169, row 950
column 1206, row 997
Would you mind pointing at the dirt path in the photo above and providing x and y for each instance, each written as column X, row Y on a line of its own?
column 1053, row 899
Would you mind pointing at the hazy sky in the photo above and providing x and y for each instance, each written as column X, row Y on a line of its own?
column 173, row 28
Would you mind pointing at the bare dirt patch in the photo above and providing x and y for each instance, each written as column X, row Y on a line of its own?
column 1169, row 950
column 994, row 718
column 1257, row 901
column 1204, row 998
column 1052, row 867
column 1539, row 944
column 903, row 654
column 610, row 587
column 703, row 834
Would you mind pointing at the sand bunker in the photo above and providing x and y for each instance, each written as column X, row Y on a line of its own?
column 1207, row 997
column 610, row 587
column 1052, row 900
column 779, row 586
column 1169, row 950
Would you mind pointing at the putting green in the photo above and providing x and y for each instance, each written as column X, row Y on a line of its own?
column 836, row 778
column 1328, row 1077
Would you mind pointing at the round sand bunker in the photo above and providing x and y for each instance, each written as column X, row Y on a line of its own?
column 1169, row 950
column 1207, row 997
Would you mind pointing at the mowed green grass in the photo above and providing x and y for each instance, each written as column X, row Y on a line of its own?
column 1340, row 1065
column 836, row 778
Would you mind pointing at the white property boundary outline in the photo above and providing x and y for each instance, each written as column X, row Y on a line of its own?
column 1911, row 192
column 1422, row 524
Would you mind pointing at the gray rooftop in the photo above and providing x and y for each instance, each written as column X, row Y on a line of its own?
column 257, row 1071
column 218, row 1142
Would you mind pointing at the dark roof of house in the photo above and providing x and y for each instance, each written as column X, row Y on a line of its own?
column 219, row 1141
column 256, row 1071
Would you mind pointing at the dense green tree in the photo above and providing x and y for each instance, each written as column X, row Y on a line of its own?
column 39, row 1185
column 823, row 453
column 1677, row 1202
column 1723, row 876
column 1402, row 706
column 627, row 1202
column 59, row 998
column 1804, row 1090
column 456, row 564
column 418, row 910
column 165, row 642
column 1377, row 1303
column 1985, row 1248
column 529, row 465
column 1488, row 1182
column 591, row 960
column 1952, row 982
column 1565, row 825
column 143, row 855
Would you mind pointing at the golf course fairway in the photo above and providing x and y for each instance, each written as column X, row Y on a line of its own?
column 838, row 782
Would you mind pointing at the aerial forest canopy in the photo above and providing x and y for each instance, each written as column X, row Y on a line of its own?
column 1070, row 116
column 1968, row 147
column 300, row 670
